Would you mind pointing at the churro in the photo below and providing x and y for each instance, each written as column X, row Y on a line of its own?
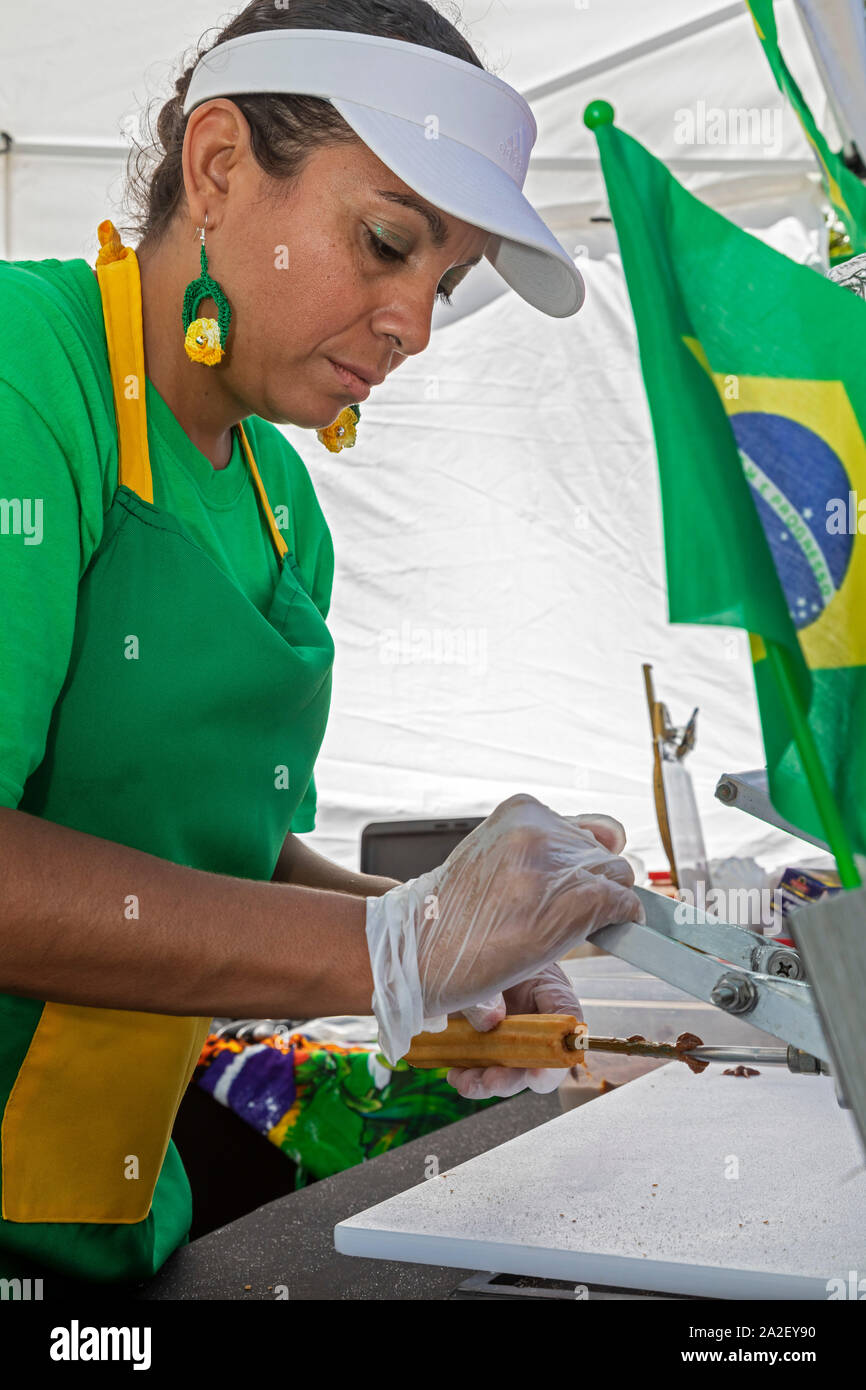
column 520, row 1040
column 535, row 1040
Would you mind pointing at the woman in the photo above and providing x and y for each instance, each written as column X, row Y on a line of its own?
column 166, row 660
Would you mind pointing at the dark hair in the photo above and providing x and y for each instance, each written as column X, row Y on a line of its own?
column 284, row 130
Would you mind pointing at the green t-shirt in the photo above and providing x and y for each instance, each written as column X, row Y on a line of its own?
column 58, row 476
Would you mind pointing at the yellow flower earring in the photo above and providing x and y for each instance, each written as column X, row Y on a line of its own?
column 341, row 434
column 205, row 338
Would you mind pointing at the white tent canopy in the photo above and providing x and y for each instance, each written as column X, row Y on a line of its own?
column 836, row 32
column 499, row 576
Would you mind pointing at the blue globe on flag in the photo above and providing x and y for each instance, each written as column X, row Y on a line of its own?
column 793, row 475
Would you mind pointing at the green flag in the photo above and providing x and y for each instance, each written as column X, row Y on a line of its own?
column 844, row 189
column 755, row 373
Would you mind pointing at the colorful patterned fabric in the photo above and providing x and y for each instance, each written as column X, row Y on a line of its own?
column 328, row 1106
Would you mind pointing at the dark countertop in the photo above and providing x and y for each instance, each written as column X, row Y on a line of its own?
column 290, row 1242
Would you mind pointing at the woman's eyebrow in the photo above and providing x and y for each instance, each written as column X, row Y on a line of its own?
column 438, row 229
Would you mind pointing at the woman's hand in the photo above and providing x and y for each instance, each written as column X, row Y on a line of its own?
column 515, row 894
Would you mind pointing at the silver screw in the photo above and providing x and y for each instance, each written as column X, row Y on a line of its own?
column 786, row 964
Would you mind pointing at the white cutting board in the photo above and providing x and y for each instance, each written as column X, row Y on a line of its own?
column 575, row 1198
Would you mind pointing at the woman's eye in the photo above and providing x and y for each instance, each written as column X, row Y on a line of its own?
column 388, row 253
column 382, row 249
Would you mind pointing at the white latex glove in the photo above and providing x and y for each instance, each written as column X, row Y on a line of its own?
column 519, row 891
column 547, row 992
column 610, row 832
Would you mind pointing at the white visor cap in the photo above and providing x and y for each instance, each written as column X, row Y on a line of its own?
column 456, row 134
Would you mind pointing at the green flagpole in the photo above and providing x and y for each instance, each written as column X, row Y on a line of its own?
column 600, row 113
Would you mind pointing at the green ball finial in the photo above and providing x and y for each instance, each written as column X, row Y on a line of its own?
column 598, row 113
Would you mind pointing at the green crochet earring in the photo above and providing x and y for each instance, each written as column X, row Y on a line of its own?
column 205, row 338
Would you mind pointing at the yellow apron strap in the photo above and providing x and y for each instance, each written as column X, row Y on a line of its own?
column 276, row 536
column 120, row 285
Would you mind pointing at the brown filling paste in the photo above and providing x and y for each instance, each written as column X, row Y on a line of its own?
column 684, row 1043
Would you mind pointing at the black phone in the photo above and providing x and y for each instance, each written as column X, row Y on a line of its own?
column 404, row 849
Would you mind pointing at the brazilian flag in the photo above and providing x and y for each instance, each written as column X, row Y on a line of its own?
column 755, row 372
column 844, row 189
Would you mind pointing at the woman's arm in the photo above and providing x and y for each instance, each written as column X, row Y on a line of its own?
column 86, row 921
column 299, row 864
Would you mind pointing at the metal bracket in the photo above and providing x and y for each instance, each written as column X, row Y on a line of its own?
column 680, row 944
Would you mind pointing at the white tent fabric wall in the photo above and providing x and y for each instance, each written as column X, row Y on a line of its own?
column 502, row 497
column 500, row 581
